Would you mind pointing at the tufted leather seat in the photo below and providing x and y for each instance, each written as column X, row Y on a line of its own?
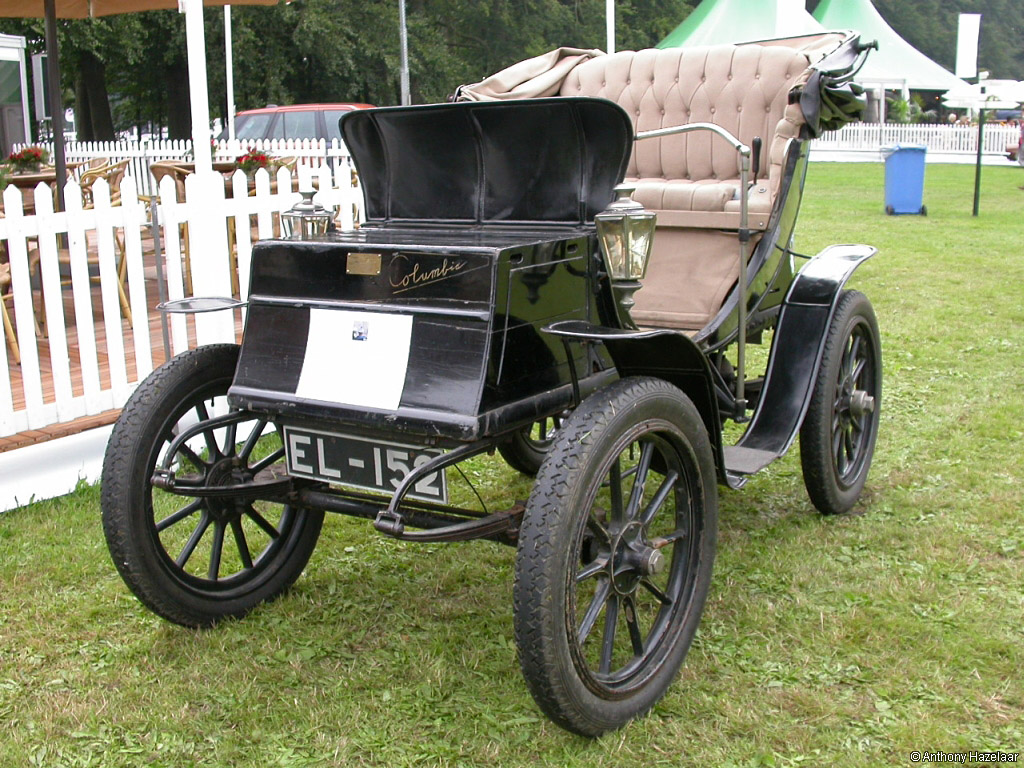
column 692, row 180
column 742, row 88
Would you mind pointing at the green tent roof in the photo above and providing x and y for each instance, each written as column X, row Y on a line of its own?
column 896, row 61
column 738, row 21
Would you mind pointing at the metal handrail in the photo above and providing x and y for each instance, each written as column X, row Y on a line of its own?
column 744, row 153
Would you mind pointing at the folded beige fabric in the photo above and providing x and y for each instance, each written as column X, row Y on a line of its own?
column 534, row 78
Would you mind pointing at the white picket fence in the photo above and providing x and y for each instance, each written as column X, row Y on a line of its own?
column 53, row 254
column 141, row 154
column 946, row 143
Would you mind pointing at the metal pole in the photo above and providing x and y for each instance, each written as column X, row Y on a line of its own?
column 230, row 75
column 609, row 21
column 161, row 282
column 195, row 46
column 403, row 36
column 741, row 339
column 56, row 103
column 977, row 165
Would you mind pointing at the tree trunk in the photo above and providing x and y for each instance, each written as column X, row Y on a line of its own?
column 93, row 112
column 83, row 116
column 179, row 112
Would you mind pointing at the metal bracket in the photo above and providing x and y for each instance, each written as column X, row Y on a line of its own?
column 391, row 520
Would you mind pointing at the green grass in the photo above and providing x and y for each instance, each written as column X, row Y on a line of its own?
column 849, row 641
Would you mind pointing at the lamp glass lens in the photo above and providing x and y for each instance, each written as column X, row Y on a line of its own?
column 613, row 242
column 641, row 235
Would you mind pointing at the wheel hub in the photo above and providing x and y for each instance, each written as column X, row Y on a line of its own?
column 632, row 559
column 227, row 471
column 861, row 404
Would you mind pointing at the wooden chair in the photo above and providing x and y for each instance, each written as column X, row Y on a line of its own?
column 177, row 173
column 5, row 294
column 113, row 174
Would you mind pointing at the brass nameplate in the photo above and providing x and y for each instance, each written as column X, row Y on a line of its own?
column 363, row 264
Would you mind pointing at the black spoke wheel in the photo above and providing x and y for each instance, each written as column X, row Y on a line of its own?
column 525, row 450
column 837, row 439
column 615, row 555
column 196, row 560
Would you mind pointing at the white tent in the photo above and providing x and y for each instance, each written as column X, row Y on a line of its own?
column 739, row 21
column 896, row 64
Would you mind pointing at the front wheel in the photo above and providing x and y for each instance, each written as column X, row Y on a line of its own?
column 837, row 439
column 615, row 555
column 197, row 560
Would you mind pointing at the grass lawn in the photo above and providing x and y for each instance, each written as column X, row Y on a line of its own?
column 846, row 641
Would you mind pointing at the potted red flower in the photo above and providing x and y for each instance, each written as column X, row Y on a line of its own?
column 252, row 161
column 27, row 160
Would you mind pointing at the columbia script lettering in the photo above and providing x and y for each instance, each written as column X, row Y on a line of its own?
column 406, row 274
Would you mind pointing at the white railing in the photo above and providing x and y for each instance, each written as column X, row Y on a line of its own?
column 56, row 259
column 940, row 139
column 141, row 154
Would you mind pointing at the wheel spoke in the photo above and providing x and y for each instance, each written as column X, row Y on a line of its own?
column 663, row 541
column 261, row 521
column 215, row 551
column 643, row 466
column 661, row 596
column 262, row 464
column 611, row 619
column 633, row 624
column 208, row 436
column 595, row 527
column 853, row 354
column 241, row 543
column 615, row 490
column 230, row 433
column 841, row 460
column 858, row 369
column 659, row 498
column 254, row 436
column 591, row 570
column 192, row 456
column 181, row 514
column 193, row 540
column 593, row 611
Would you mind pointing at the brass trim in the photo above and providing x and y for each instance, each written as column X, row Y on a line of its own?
column 363, row 264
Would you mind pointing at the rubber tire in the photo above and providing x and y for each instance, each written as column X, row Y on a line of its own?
column 828, row 492
column 522, row 452
column 127, row 511
column 546, row 550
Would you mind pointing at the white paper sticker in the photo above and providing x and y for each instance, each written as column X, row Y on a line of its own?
column 356, row 358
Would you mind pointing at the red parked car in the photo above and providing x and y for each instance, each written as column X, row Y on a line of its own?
column 296, row 121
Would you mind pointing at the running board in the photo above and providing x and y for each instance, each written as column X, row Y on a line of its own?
column 747, row 461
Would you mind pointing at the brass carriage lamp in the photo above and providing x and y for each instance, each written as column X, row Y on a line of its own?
column 307, row 218
column 626, row 233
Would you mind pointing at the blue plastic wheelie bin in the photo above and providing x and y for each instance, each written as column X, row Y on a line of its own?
column 904, row 179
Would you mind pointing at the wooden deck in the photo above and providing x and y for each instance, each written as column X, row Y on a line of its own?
column 159, row 354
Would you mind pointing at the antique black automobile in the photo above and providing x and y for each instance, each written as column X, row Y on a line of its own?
column 491, row 302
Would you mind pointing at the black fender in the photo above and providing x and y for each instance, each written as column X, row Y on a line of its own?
column 795, row 358
column 666, row 354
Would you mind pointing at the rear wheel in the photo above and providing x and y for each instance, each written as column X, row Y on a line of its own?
column 525, row 450
column 837, row 439
column 196, row 560
column 615, row 555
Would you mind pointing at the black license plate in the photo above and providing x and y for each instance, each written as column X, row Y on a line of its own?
column 373, row 465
